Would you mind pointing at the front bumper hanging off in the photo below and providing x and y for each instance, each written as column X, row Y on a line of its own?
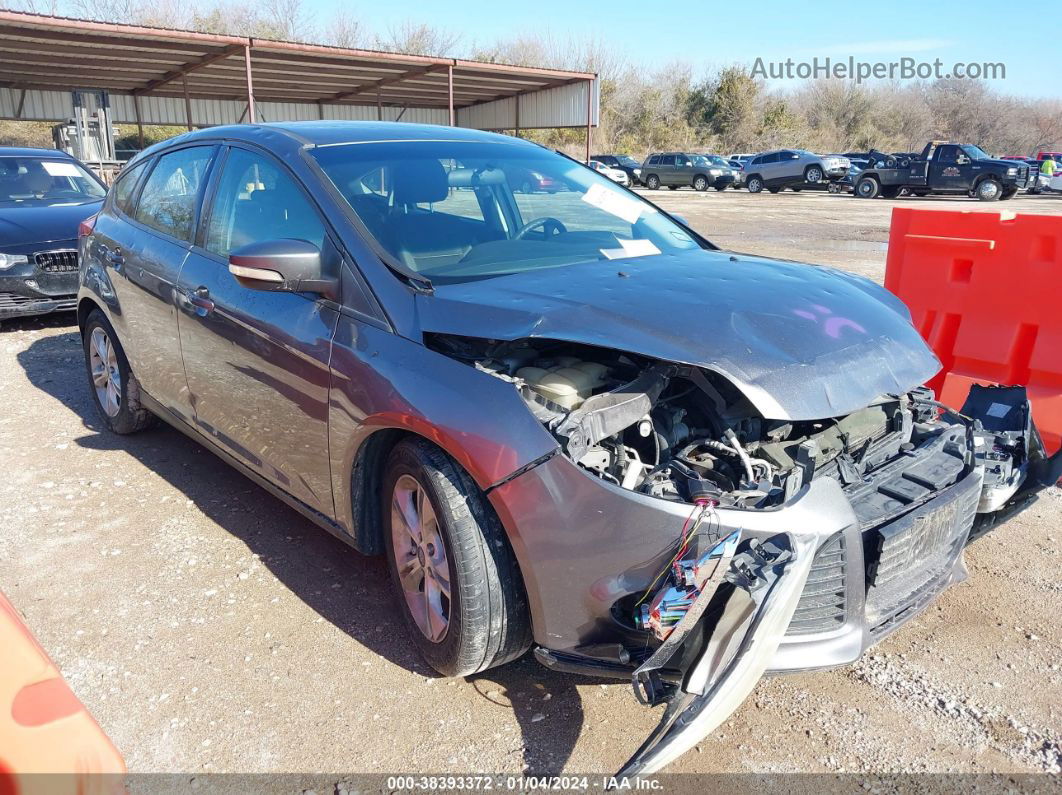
column 763, row 583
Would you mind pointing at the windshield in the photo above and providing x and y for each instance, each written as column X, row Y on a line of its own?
column 456, row 211
column 716, row 160
column 975, row 152
column 36, row 180
column 627, row 160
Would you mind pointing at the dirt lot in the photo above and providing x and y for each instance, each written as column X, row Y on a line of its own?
column 209, row 628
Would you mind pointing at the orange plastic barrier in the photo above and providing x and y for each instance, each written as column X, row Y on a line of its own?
column 43, row 726
column 985, row 291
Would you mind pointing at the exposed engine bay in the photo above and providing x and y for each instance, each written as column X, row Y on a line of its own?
column 683, row 433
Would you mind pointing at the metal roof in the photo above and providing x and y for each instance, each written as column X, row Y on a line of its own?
column 57, row 53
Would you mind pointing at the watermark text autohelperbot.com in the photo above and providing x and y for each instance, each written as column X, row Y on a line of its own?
column 851, row 69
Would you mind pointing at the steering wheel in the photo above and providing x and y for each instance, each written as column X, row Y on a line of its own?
column 550, row 226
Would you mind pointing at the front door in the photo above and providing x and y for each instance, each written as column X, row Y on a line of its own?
column 257, row 362
column 949, row 169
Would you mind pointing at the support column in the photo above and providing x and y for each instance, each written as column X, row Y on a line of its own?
column 516, row 126
column 250, row 84
column 379, row 107
column 589, row 117
column 450, row 91
column 187, row 104
column 139, row 121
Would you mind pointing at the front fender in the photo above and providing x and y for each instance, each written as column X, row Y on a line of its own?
column 381, row 380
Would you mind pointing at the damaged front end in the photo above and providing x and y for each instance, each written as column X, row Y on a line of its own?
column 737, row 543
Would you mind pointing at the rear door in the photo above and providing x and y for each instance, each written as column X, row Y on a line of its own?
column 683, row 170
column 143, row 248
column 257, row 362
column 667, row 169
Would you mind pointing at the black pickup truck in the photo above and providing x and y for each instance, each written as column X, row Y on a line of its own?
column 942, row 167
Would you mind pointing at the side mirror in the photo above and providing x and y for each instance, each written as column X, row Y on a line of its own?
column 283, row 264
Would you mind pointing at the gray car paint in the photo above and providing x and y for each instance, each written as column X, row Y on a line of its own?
column 799, row 342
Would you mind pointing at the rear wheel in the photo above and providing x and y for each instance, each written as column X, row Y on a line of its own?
column 700, row 182
column 890, row 191
column 115, row 390
column 989, row 190
column 1008, row 194
column 672, row 187
column 754, row 183
column 773, row 190
column 867, row 188
column 451, row 564
column 720, row 188
column 652, row 182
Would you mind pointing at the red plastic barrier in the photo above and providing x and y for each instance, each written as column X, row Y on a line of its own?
column 985, row 291
column 43, row 726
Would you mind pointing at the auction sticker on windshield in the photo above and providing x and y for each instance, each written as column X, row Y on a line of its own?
column 57, row 169
column 614, row 203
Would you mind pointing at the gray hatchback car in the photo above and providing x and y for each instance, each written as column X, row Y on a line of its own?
column 792, row 168
column 566, row 420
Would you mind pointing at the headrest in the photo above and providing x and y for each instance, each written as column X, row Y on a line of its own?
column 419, row 181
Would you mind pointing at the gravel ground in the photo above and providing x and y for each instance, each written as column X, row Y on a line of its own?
column 209, row 628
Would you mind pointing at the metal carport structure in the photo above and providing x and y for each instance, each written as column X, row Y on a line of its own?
column 163, row 76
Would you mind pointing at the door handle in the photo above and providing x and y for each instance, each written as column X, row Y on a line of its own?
column 200, row 298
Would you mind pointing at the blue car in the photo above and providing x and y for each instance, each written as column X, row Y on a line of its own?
column 44, row 195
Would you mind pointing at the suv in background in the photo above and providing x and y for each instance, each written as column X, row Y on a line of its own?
column 675, row 169
column 624, row 163
column 792, row 167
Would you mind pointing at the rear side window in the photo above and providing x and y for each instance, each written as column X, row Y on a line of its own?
column 125, row 187
column 257, row 201
column 168, row 201
column 667, row 160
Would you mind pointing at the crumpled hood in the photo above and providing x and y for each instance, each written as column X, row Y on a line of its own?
column 800, row 342
column 27, row 224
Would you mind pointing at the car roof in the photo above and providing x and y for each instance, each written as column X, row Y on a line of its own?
column 31, row 151
column 332, row 133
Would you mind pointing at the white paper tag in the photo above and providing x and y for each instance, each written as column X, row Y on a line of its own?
column 998, row 410
column 59, row 169
column 614, row 203
column 631, row 248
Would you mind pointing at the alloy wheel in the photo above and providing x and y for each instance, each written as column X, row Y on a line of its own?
column 420, row 558
column 106, row 377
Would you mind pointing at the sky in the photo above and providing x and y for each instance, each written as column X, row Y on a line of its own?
column 710, row 34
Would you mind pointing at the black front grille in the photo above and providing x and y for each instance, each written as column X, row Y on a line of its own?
column 823, row 604
column 9, row 300
column 56, row 261
column 908, row 558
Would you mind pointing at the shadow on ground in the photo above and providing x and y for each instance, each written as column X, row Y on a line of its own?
column 304, row 557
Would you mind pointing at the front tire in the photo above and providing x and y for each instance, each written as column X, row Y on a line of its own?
column 459, row 588
column 754, row 184
column 652, row 182
column 989, row 190
column 114, row 389
column 700, row 183
column 813, row 174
